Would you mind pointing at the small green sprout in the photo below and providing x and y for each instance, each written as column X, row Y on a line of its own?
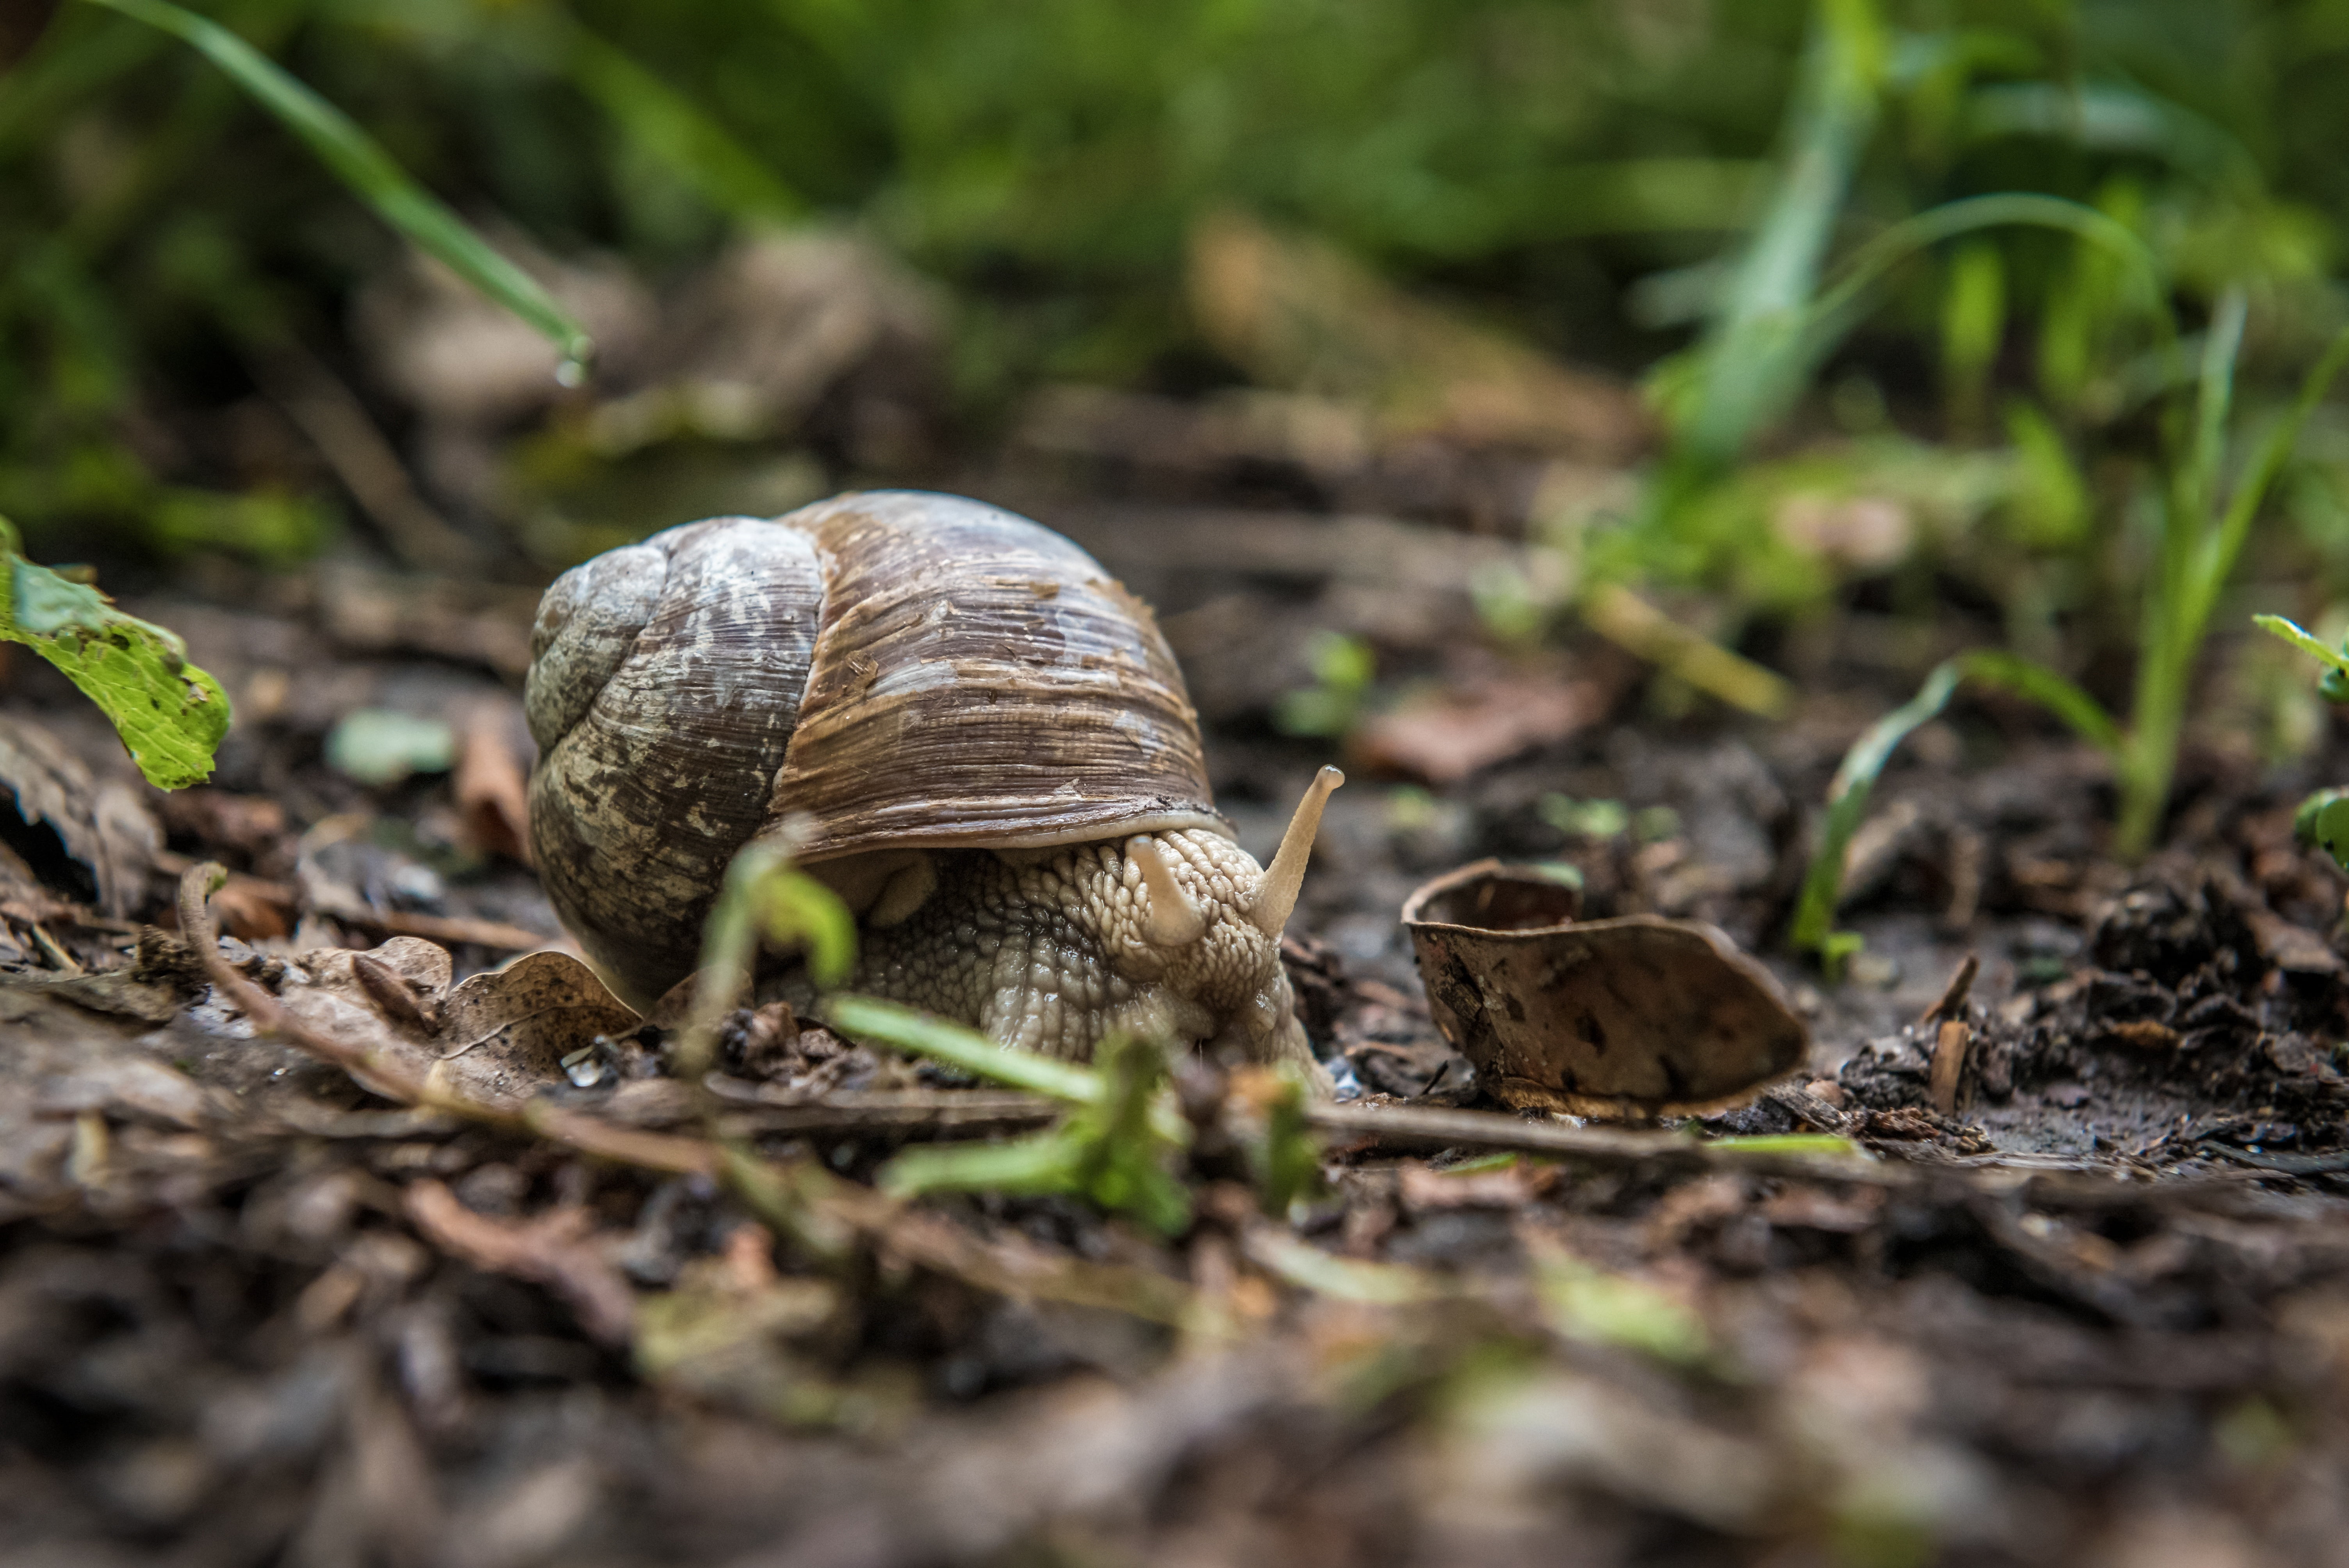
column 1655, row 824
column 1584, row 819
column 2334, row 686
column 1342, row 668
column 765, row 894
column 1854, row 780
column 1285, row 1158
column 2323, row 823
column 1116, row 1146
column 2322, row 820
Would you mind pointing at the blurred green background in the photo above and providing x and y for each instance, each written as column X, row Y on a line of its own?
column 1599, row 181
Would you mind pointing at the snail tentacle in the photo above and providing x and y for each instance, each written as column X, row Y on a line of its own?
column 1175, row 918
column 1276, row 895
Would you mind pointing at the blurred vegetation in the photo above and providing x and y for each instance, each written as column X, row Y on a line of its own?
column 1920, row 286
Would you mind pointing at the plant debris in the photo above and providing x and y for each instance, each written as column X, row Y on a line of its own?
column 309, row 1246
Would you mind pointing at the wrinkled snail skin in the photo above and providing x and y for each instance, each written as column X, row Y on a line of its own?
column 981, row 740
column 1050, row 950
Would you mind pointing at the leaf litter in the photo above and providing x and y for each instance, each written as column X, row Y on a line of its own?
column 2082, row 1295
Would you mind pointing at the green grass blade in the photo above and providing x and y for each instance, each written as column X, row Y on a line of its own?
column 1847, row 802
column 2027, row 678
column 2243, row 507
column 1825, row 1143
column 670, row 127
column 1753, row 359
column 909, row 1029
column 1871, row 262
column 356, row 159
column 1864, row 763
column 2276, row 625
column 2214, row 397
column 1044, row 1162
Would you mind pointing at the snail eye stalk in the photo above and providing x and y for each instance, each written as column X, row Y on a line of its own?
column 1276, row 896
column 1175, row 920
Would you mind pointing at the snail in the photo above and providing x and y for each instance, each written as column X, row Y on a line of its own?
column 976, row 737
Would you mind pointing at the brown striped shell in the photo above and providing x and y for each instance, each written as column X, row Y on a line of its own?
column 903, row 669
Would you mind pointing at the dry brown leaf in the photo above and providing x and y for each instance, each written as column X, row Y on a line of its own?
column 1635, row 1017
column 497, row 1038
column 491, row 780
column 102, row 823
column 1446, row 737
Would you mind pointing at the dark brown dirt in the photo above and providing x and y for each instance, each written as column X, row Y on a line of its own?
column 2095, row 1311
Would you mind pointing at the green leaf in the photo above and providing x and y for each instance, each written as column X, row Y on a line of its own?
column 2277, row 627
column 170, row 715
column 1286, row 1159
column 356, row 158
column 796, row 909
column 1825, row 1143
column 2322, row 821
column 1596, row 1306
column 1113, row 1151
column 380, row 746
column 763, row 891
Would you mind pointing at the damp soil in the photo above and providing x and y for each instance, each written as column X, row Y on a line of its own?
column 2087, row 1302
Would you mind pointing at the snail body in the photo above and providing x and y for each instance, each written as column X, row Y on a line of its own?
column 977, row 736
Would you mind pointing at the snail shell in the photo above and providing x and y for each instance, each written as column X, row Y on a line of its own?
column 897, row 671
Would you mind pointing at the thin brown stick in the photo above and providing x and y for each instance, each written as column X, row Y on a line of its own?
column 495, row 934
column 824, row 1213
column 1411, row 1127
column 1952, row 1001
column 1948, row 1063
column 556, row 1250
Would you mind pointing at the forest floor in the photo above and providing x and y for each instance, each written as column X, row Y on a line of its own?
column 2087, row 1300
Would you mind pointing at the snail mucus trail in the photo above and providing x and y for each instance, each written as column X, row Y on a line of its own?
column 979, row 738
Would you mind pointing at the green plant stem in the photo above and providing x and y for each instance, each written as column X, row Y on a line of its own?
column 2199, row 547
column 356, row 158
column 1854, row 780
column 1753, row 359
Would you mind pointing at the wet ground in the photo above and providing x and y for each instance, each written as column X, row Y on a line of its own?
column 2088, row 1301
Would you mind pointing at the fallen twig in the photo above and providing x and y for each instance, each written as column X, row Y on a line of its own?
column 495, row 934
column 553, row 1250
column 1953, row 1001
column 1411, row 1127
column 825, row 1215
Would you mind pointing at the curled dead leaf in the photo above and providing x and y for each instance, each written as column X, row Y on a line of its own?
column 498, row 1039
column 1615, row 1018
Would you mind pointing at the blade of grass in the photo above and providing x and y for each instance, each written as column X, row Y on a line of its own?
column 1847, row 802
column 1835, row 310
column 2026, row 679
column 1753, row 358
column 357, row 159
column 2243, row 507
column 2276, row 625
column 671, row 127
column 909, row 1029
column 1864, row 763
column 2198, row 557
